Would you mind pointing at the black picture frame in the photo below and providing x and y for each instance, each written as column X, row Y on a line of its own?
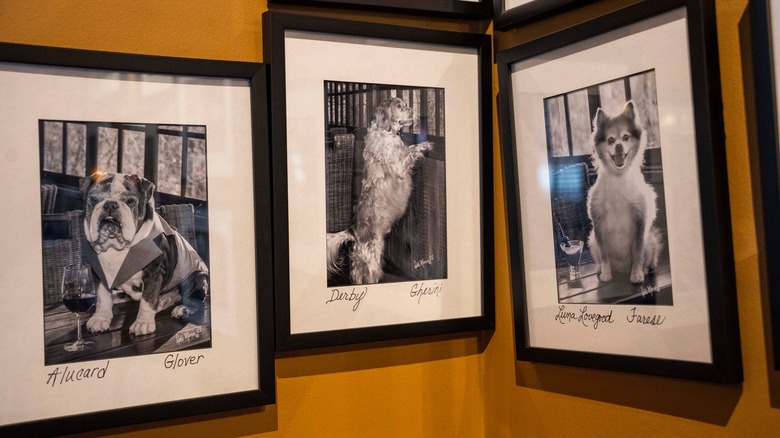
column 764, row 64
column 30, row 60
column 449, row 8
column 473, row 48
column 505, row 19
column 720, row 331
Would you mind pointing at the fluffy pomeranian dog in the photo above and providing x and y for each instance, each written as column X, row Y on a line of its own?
column 621, row 205
column 384, row 196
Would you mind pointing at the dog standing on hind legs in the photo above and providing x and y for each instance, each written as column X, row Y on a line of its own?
column 385, row 192
column 621, row 204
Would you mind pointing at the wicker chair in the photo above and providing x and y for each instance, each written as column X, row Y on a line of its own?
column 338, row 182
column 59, row 253
column 48, row 198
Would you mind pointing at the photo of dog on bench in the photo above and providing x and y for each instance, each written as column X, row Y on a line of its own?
column 385, row 183
column 604, row 149
column 126, row 205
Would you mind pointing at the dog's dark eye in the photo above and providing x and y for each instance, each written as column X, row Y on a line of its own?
column 625, row 137
column 611, row 140
column 131, row 202
column 93, row 199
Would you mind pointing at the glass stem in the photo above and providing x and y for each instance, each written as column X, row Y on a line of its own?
column 78, row 328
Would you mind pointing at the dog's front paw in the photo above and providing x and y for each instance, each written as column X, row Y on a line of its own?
column 606, row 272
column 143, row 327
column 98, row 323
column 180, row 311
column 426, row 146
column 637, row 276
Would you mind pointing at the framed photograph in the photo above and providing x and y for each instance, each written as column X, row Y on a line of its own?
column 510, row 13
column 617, row 197
column 141, row 269
column 453, row 8
column 765, row 29
column 382, row 181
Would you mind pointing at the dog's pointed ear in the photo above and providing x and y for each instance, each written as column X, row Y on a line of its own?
column 145, row 187
column 382, row 117
column 86, row 182
column 629, row 110
column 599, row 119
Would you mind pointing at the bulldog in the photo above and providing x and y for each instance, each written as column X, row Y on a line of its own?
column 132, row 250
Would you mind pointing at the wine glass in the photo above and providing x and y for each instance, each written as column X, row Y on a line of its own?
column 78, row 295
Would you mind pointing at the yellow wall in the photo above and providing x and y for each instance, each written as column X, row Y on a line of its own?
column 468, row 386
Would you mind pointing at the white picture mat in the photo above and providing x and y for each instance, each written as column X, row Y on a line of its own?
column 312, row 58
column 509, row 4
column 661, row 44
column 223, row 106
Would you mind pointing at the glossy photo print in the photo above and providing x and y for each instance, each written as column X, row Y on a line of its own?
column 385, row 183
column 607, row 193
column 125, row 245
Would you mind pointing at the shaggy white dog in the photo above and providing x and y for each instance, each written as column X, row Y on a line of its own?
column 386, row 187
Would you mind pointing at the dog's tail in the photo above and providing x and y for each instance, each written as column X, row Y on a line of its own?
column 335, row 241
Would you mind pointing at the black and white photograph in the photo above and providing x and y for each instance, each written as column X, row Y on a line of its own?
column 382, row 180
column 618, row 221
column 607, row 193
column 140, row 184
column 125, row 239
column 385, row 183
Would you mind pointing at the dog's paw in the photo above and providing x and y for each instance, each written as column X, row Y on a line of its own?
column 98, row 323
column 605, row 276
column 143, row 327
column 426, row 146
column 180, row 311
column 637, row 276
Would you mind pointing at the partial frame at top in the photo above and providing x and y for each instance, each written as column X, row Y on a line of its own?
column 508, row 14
column 448, row 8
column 383, row 189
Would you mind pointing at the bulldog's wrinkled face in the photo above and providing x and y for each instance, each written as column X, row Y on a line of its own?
column 114, row 208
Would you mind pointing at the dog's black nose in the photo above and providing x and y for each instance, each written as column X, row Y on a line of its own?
column 110, row 205
column 619, row 148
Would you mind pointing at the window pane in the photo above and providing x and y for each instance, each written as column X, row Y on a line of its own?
column 196, row 168
column 646, row 103
column 416, row 108
column 77, row 149
column 171, row 127
column 613, row 97
column 557, row 134
column 52, row 146
column 431, row 114
column 169, row 164
column 133, row 147
column 580, row 122
column 441, row 111
column 107, row 149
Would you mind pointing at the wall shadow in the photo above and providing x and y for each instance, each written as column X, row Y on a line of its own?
column 252, row 421
column 706, row 402
column 340, row 359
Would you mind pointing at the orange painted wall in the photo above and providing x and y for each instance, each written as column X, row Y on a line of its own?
column 459, row 386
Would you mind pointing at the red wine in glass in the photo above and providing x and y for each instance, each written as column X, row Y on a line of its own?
column 78, row 295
